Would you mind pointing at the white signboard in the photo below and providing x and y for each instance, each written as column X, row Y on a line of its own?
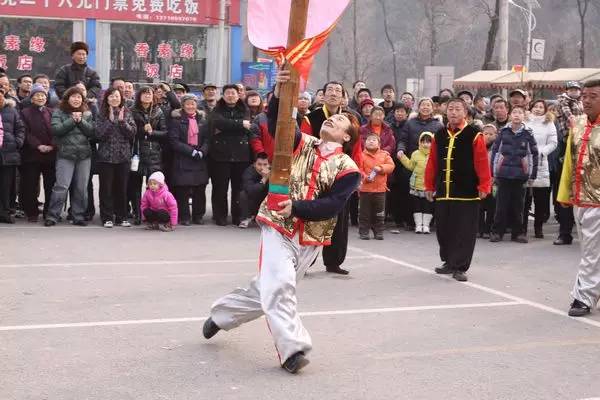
column 537, row 49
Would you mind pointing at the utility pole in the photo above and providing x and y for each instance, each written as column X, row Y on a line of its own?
column 221, row 47
column 504, row 20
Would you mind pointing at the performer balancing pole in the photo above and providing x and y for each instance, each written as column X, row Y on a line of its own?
column 286, row 118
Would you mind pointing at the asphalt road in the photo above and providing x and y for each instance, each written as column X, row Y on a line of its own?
column 93, row 313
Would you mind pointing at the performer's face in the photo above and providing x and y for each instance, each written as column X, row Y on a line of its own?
column 591, row 102
column 335, row 129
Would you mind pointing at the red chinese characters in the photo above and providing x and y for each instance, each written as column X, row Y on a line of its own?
column 25, row 63
column 37, row 44
column 165, row 50
column 12, row 43
column 142, row 50
column 176, row 71
column 3, row 61
column 152, row 70
column 186, row 50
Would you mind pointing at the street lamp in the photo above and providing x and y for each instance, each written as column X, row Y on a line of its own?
column 531, row 23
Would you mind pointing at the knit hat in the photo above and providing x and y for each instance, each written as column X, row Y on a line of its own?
column 187, row 97
column 79, row 46
column 366, row 102
column 158, row 177
column 37, row 88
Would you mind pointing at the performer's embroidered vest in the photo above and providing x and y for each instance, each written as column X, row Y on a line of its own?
column 585, row 153
column 456, row 175
column 311, row 176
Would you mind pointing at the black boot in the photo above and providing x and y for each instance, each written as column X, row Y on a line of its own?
column 578, row 309
column 295, row 363
column 210, row 329
column 444, row 269
column 337, row 270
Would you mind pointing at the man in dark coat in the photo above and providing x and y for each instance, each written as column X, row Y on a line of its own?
column 78, row 70
column 255, row 186
column 229, row 156
column 13, row 137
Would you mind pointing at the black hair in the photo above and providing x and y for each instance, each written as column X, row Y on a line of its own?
column 425, row 138
column 364, row 90
column 357, row 82
column 503, row 101
column 461, row 101
column 412, row 96
column 20, row 78
column 436, row 99
column 446, row 90
column 105, row 107
column 387, row 86
column 262, row 156
column 138, row 96
column 40, row 76
column 116, row 78
column 231, row 86
column 401, row 106
column 335, row 83
column 592, row 84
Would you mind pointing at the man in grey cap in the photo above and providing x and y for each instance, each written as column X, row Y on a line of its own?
column 518, row 97
column 209, row 92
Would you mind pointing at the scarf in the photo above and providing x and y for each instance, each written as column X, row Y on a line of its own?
column 192, row 130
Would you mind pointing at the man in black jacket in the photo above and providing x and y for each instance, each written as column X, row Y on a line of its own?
column 229, row 154
column 254, row 188
column 78, row 70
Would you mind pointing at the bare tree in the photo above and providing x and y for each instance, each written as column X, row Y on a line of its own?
column 390, row 41
column 494, row 16
column 582, row 9
column 437, row 20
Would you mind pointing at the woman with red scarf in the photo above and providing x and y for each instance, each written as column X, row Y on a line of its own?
column 189, row 142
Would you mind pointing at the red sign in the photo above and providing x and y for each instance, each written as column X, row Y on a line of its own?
column 176, row 71
column 37, row 44
column 152, row 70
column 12, row 43
column 185, row 12
column 141, row 50
column 3, row 61
column 25, row 63
column 186, row 50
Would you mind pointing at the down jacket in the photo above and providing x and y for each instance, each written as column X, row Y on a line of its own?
column 72, row 138
column 114, row 138
column 187, row 169
column 230, row 141
column 149, row 146
column 515, row 154
column 13, row 136
column 544, row 133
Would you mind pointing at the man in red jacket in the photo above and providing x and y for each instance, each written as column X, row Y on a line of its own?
column 458, row 176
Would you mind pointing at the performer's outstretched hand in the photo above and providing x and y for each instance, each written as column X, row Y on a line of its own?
column 283, row 76
column 286, row 209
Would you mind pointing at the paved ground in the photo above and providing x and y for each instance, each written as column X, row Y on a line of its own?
column 92, row 313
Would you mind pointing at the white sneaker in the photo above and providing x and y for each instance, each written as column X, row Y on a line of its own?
column 125, row 224
column 245, row 223
column 418, row 228
column 426, row 229
column 108, row 224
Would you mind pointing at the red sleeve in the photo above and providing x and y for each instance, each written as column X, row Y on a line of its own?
column 305, row 127
column 257, row 146
column 482, row 164
column 431, row 168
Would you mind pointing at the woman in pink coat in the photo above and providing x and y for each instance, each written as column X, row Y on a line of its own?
column 159, row 208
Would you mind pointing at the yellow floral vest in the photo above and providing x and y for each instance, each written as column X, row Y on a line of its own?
column 580, row 180
column 310, row 177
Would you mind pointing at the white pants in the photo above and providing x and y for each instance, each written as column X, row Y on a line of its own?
column 272, row 292
column 587, row 285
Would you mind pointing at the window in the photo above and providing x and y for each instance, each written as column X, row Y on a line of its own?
column 144, row 53
column 35, row 46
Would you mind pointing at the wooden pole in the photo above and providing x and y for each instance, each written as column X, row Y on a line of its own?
column 288, row 102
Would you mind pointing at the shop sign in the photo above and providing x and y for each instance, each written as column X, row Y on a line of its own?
column 191, row 12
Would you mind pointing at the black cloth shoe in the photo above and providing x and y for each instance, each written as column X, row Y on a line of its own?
column 221, row 222
column 460, row 276
column 79, row 223
column 561, row 241
column 210, row 329
column 494, row 238
column 444, row 269
column 49, row 222
column 295, row 363
column 198, row 221
column 365, row 237
column 379, row 237
column 137, row 221
column 578, row 309
column 520, row 239
column 337, row 270
column 185, row 223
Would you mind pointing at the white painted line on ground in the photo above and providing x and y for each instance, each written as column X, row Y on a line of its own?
column 148, row 262
column 486, row 289
column 304, row 314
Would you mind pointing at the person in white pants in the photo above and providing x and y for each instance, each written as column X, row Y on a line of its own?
column 580, row 187
column 322, row 178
